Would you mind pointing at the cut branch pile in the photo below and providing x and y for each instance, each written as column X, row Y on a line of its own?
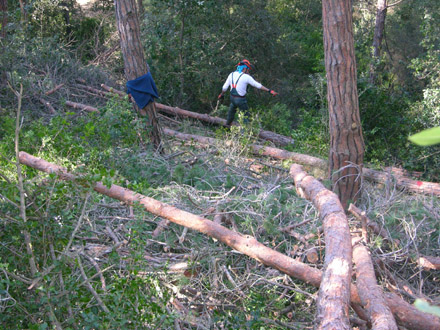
column 404, row 313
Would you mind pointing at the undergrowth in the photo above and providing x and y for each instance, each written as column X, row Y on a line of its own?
column 105, row 265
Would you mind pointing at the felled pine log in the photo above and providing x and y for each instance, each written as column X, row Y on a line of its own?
column 257, row 149
column 82, row 106
column 265, row 135
column 405, row 314
column 421, row 187
column 334, row 292
column 370, row 292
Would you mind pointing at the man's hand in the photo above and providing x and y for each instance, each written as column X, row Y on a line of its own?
column 272, row 92
column 221, row 96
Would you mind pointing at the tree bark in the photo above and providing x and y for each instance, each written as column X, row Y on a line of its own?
column 135, row 65
column 23, row 11
column 346, row 141
column 334, row 292
column 370, row 293
column 265, row 135
column 379, row 29
column 4, row 13
column 406, row 314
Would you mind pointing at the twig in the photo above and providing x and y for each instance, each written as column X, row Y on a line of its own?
column 182, row 237
column 90, row 287
column 98, row 270
column 290, row 227
column 78, row 224
column 26, row 234
column 229, row 276
column 111, row 234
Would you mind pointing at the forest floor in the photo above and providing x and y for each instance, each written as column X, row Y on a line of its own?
column 183, row 279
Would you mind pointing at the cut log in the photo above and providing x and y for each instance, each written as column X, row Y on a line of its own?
column 334, row 292
column 113, row 90
column 94, row 90
column 53, row 90
column 257, row 149
column 421, row 187
column 265, row 135
column 47, row 105
column 370, row 293
column 429, row 262
column 406, row 314
column 82, row 106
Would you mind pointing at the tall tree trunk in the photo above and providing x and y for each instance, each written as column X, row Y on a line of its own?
column 141, row 8
column 346, row 141
column 379, row 29
column 135, row 65
column 4, row 21
column 23, row 11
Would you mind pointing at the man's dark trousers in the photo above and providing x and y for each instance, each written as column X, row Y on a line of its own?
column 237, row 102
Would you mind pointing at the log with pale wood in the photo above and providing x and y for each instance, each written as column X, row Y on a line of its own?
column 429, row 262
column 257, row 149
column 265, row 135
column 369, row 291
column 334, row 292
column 82, row 106
column 405, row 314
column 422, row 187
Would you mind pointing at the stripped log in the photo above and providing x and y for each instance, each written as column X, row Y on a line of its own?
column 429, row 262
column 406, row 314
column 94, row 90
column 47, row 105
column 421, row 187
column 113, row 90
column 334, row 292
column 257, row 149
column 82, row 106
column 265, row 135
column 370, row 293
column 53, row 90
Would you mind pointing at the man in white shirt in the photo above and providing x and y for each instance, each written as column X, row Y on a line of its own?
column 238, row 81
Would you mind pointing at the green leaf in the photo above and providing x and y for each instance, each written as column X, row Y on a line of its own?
column 427, row 137
column 424, row 306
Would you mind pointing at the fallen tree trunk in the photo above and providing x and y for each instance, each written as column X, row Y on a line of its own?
column 257, row 149
column 265, row 135
column 82, row 106
column 405, row 314
column 421, row 187
column 334, row 292
column 370, row 293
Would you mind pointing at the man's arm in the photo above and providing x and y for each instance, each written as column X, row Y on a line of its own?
column 258, row 85
column 272, row 92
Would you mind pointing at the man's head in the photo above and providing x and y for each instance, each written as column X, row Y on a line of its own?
column 246, row 65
